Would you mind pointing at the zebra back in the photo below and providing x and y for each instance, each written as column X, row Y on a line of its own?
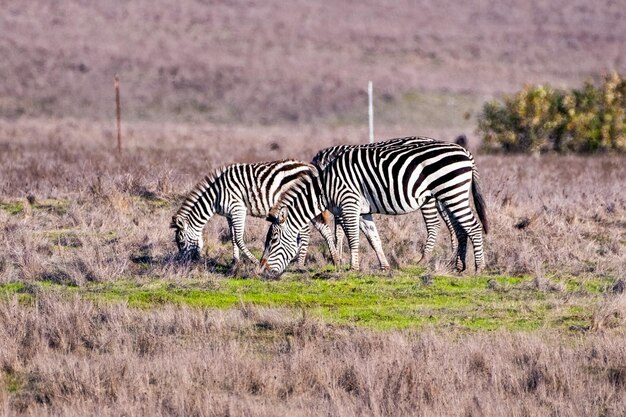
column 256, row 186
column 326, row 156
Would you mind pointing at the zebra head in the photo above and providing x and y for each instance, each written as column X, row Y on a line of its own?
column 281, row 244
column 188, row 240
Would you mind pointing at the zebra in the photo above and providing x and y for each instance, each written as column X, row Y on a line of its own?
column 429, row 210
column 234, row 191
column 388, row 180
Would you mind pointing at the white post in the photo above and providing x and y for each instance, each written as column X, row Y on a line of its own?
column 370, row 93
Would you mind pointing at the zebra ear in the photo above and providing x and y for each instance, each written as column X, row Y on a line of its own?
column 277, row 215
column 282, row 215
column 177, row 223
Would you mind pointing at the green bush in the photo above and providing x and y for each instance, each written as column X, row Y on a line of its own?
column 542, row 119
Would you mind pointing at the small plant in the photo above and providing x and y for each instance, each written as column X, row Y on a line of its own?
column 542, row 119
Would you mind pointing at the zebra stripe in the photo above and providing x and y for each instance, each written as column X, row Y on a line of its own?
column 387, row 180
column 429, row 210
column 234, row 191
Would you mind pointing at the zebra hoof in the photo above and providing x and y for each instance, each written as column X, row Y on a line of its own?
column 235, row 268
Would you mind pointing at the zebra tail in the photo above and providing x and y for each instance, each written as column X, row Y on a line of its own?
column 479, row 201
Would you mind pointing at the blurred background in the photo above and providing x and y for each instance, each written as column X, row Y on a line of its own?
column 224, row 62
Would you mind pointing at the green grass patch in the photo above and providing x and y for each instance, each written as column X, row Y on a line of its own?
column 56, row 206
column 404, row 300
column 13, row 382
column 151, row 203
column 12, row 207
column 52, row 205
column 65, row 238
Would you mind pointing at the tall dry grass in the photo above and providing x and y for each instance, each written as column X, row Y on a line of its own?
column 70, row 357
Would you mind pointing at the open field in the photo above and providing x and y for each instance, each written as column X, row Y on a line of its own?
column 271, row 61
column 97, row 317
column 88, row 278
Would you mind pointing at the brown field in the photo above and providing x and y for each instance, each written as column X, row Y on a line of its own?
column 206, row 83
column 273, row 61
column 88, row 217
column 73, row 358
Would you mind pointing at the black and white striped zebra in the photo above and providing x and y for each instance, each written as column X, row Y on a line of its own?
column 387, row 180
column 235, row 191
column 430, row 209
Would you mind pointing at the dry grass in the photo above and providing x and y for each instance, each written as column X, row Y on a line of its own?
column 71, row 357
column 72, row 213
column 273, row 61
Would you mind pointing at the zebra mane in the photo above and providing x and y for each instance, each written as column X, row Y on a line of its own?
column 195, row 194
column 201, row 188
column 303, row 178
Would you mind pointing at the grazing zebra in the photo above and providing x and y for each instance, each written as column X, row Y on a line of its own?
column 429, row 210
column 387, row 180
column 235, row 191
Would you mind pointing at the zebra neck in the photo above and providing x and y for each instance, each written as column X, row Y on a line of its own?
column 318, row 187
column 199, row 212
column 308, row 201
column 194, row 232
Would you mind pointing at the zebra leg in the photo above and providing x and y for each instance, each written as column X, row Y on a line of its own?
column 469, row 227
column 350, row 224
column 476, row 235
column 238, row 218
column 461, row 253
column 444, row 215
column 321, row 224
column 459, row 229
column 305, row 236
column 368, row 227
column 339, row 236
column 429, row 212
column 233, row 241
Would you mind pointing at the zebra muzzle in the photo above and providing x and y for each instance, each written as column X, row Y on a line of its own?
column 263, row 267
